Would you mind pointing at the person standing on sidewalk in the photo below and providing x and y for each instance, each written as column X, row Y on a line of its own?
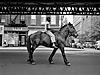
column 5, row 43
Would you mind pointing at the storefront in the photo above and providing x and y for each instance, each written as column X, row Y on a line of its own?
column 15, row 36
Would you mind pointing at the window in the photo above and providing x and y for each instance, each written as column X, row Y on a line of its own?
column 86, row 16
column 33, row 19
column 3, row 20
column 8, row 19
column 0, row 18
column 22, row 17
column 60, row 20
column 43, row 19
column 53, row 19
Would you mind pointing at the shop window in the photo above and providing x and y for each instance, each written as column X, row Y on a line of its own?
column 53, row 19
column 43, row 19
column 33, row 19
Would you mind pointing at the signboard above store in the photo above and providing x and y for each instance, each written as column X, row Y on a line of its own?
column 16, row 29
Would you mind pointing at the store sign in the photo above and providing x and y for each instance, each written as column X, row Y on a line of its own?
column 1, row 29
column 16, row 29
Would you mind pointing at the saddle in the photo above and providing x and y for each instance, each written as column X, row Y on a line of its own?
column 47, row 34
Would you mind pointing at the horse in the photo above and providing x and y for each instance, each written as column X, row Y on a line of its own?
column 42, row 38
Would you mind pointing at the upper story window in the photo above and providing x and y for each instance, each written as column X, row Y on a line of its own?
column 3, row 21
column 60, row 20
column 53, row 19
column 33, row 19
column 22, row 17
column 43, row 19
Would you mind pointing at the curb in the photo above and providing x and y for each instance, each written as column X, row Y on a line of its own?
column 41, row 48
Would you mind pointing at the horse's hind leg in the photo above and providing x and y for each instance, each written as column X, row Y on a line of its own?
column 64, row 57
column 51, row 56
column 30, row 60
column 31, row 57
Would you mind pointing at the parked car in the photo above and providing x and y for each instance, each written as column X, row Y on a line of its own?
column 97, row 45
column 77, row 45
column 80, row 45
column 89, row 44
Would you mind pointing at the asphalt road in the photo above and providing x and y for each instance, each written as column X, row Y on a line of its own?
column 14, row 63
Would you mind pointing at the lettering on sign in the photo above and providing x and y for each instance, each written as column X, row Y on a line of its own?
column 16, row 28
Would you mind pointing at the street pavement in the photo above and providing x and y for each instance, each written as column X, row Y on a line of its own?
column 83, row 62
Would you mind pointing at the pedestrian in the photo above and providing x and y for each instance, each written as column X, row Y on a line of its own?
column 5, row 43
column 47, row 30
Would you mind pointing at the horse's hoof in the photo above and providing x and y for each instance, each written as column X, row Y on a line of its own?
column 68, row 64
column 28, row 61
column 51, row 62
column 33, row 63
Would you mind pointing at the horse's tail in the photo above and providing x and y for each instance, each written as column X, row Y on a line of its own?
column 28, row 44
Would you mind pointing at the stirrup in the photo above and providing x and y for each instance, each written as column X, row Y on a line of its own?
column 54, row 45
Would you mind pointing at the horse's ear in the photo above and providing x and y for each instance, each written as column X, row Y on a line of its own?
column 70, row 24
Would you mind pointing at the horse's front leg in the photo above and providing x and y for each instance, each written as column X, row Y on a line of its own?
column 51, row 56
column 64, row 56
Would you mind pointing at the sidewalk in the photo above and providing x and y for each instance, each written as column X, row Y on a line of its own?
column 40, row 48
column 68, row 50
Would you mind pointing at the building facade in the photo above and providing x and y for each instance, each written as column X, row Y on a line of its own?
column 15, row 28
column 14, row 34
column 82, row 23
column 85, row 24
column 38, row 22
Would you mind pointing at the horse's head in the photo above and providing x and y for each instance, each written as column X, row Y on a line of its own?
column 72, row 30
column 69, row 29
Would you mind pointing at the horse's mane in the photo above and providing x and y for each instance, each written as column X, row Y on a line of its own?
column 63, row 27
column 66, row 25
column 53, row 31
